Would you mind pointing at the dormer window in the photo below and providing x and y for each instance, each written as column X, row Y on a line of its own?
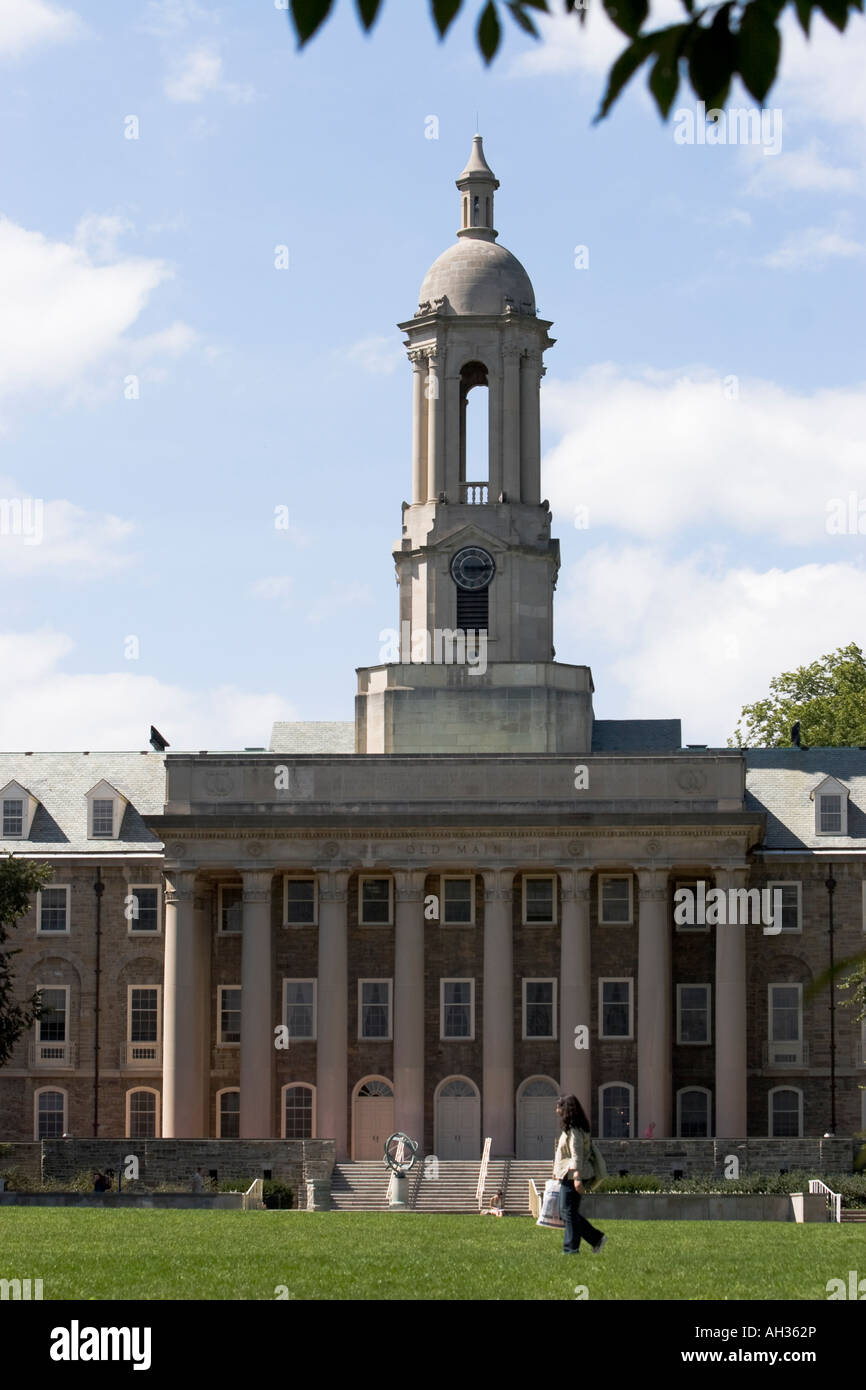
column 18, row 807
column 105, row 809
column 831, row 807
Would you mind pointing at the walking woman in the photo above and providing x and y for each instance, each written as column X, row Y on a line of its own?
column 575, row 1164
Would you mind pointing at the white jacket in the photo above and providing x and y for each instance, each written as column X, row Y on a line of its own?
column 573, row 1155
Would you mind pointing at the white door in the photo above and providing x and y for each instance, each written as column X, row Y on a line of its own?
column 538, row 1126
column 458, row 1116
column 374, row 1119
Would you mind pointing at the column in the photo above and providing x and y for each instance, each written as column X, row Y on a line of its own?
column 575, row 986
column 419, row 428
column 451, row 442
column 654, row 989
column 333, row 992
column 730, row 1012
column 257, row 1023
column 409, row 1005
column 435, row 479
column 182, row 1086
column 530, row 428
column 203, row 908
column 510, row 483
column 498, row 1013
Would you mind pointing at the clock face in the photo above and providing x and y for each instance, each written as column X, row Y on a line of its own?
column 472, row 568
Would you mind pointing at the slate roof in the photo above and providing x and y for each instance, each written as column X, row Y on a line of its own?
column 60, row 782
column 779, row 781
column 316, row 736
column 636, row 736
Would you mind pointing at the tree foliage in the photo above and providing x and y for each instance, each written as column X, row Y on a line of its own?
column 828, row 698
column 19, row 878
column 710, row 46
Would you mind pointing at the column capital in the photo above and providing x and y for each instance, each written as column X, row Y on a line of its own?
column 498, row 884
column 334, row 886
column 409, row 885
column 575, row 884
column 653, row 884
column 736, row 872
column 257, row 885
column 180, row 886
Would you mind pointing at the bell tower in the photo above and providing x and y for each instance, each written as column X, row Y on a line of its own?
column 473, row 663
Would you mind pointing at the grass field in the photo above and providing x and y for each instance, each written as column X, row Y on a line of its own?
column 373, row 1255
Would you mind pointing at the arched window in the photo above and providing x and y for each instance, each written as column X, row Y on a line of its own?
column 49, row 1120
column 487, row 212
column 458, row 1086
column 474, row 429
column 786, row 1113
column 615, row 1107
column 299, row 1119
column 539, row 1086
column 229, row 1113
column 375, row 1088
column 465, row 211
column 476, row 215
column 142, row 1113
column 693, row 1112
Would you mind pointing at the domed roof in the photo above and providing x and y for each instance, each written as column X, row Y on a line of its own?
column 478, row 277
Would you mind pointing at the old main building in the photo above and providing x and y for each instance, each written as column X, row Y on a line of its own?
column 443, row 902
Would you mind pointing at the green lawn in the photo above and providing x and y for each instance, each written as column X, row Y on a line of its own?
column 372, row 1255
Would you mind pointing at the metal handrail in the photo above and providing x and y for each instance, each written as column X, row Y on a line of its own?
column 816, row 1185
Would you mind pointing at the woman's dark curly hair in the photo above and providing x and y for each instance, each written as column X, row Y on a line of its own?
column 572, row 1114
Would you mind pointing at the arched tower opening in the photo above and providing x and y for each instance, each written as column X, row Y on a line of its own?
column 474, row 433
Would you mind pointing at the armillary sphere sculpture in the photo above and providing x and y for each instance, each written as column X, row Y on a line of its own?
column 400, row 1153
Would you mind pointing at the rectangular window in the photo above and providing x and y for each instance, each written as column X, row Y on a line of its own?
column 374, row 1009
column 458, row 905
column 539, row 1008
column 615, row 1008
column 52, row 1024
column 615, row 899
column 785, row 1043
column 299, row 1009
column 51, row 1115
column 616, row 1111
column 231, row 909
column 792, row 919
column 300, row 902
column 13, row 817
column 103, row 818
column 539, row 900
column 144, row 1013
column 693, row 1014
column 229, row 1005
column 457, row 1009
column 376, row 902
column 830, row 814
column 52, row 911
column 687, row 907
column 144, row 908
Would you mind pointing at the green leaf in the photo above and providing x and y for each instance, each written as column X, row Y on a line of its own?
column 836, row 11
column 367, row 11
column 804, row 14
column 308, row 16
column 713, row 60
column 758, row 48
column 664, row 79
column 627, row 15
column 624, row 68
column 489, row 31
column 444, row 12
column 519, row 14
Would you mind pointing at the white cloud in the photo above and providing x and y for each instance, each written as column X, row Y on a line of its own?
column 66, row 313
column 822, row 76
column 47, row 707
column 685, row 640
column 200, row 74
column 376, row 355
column 657, row 454
column 165, row 19
column 802, row 171
column 810, row 248
column 44, row 537
column 25, row 24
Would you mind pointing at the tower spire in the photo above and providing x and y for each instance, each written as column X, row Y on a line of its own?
column 477, row 184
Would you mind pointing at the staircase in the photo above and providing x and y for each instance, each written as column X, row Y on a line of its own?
column 454, row 1189
column 360, row 1186
column 855, row 1215
column 520, row 1170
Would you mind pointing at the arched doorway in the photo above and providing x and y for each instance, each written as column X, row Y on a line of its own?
column 538, row 1127
column 372, row 1117
column 458, row 1119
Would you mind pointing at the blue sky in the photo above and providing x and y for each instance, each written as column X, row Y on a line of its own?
column 164, row 386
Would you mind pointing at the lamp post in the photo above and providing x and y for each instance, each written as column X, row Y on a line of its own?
column 830, row 884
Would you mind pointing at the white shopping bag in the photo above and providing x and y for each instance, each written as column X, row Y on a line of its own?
column 549, row 1215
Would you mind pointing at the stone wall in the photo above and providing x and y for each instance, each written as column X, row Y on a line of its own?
column 695, row 1156
column 291, row 1161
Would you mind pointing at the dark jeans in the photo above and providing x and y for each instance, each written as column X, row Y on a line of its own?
column 575, row 1224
